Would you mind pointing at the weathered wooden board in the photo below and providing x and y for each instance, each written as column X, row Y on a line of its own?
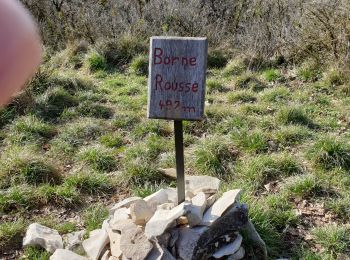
column 176, row 83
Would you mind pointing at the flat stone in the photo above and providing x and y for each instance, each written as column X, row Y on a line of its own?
column 61, row 254
column 39, row 235
column 95, row 244
column 207, row 184
column 160, row 253
column 220, row 206
column 167, row 206
column 160, row 197
column 163, row 219
column 105, row 224
column 74, row 240
column 234, row 220
column 134, row 244
column 169, row 172
column 141, row 212
column 114, row 238
column 238, row 255
column 196, row 208
column 124, row 203
column 122, row 225
column 106, row 255
column 121, row 214
column 211, row 200
column 187, row 241
column 230, row 248
column 163, row 240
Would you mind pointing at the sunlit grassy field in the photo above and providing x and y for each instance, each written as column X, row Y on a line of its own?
column 78, row 140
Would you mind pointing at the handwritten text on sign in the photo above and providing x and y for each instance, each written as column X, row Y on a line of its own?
column 177, row 78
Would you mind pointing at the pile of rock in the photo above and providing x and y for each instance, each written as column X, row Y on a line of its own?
column 156, row 227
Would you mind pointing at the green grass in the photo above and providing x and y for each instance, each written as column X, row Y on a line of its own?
column 293, row 115
column 214, row 156
column 330, row 152
column 11, row 233
column 96, row 62
column 79, row 137
column 304, row 186
column 292, row 134
column 234, row 68
column 254, row 142
column 262, row 169
column 217, row 59
column 31, row 253
column 94, row 216
column 334, row 239
column 139, row 65
column 214, row 85
column 278, row 94
column 100, row 159
column 242, row 96
column 272, row 75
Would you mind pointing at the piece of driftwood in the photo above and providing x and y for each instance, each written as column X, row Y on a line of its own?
column 176, row 83
column 234, row 220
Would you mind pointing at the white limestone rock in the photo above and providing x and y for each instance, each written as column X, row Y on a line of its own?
column 220, row 206
column 164, row 219
column 119, row 214
column 39, row 235
column 141, row 212
column 196, row 208
column 187, row 241
column 167, row 206
column 95, row 244
column 106, row 255
column 124, row 203
column 114, row 238
column 160, row 253
column 63, row 254
column 230, row 248
column 133, row 243
column 206, row 184
column 160, row 197
column 238, row 255
column 74, row 240
column 211, row 200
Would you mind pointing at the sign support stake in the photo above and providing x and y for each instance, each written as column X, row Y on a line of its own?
column 180, row 168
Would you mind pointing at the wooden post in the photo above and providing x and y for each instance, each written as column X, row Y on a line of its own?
column 176, row 88
column 180, row 165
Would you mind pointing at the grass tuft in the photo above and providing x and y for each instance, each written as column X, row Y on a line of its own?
column 214, row 155
column 99, row 158
column 214, row 85
column 93, row 217
column 139, row 65
column 96, row 61
column 265, row 168
column 272, row 75
column 249, row 81
column 334, row 239
column 330, row 152
column 293, row 115
column 242, row 96
column 216, row 59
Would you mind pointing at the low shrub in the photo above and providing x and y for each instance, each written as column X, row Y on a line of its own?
column 217, row 59
column 139, row 65
column 96, row 61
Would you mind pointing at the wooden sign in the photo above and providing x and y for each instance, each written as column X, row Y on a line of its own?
column 176, row 83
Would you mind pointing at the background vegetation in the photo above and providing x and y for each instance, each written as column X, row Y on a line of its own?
column 277, row 118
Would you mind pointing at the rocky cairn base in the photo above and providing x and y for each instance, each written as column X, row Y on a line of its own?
column 205, row 226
